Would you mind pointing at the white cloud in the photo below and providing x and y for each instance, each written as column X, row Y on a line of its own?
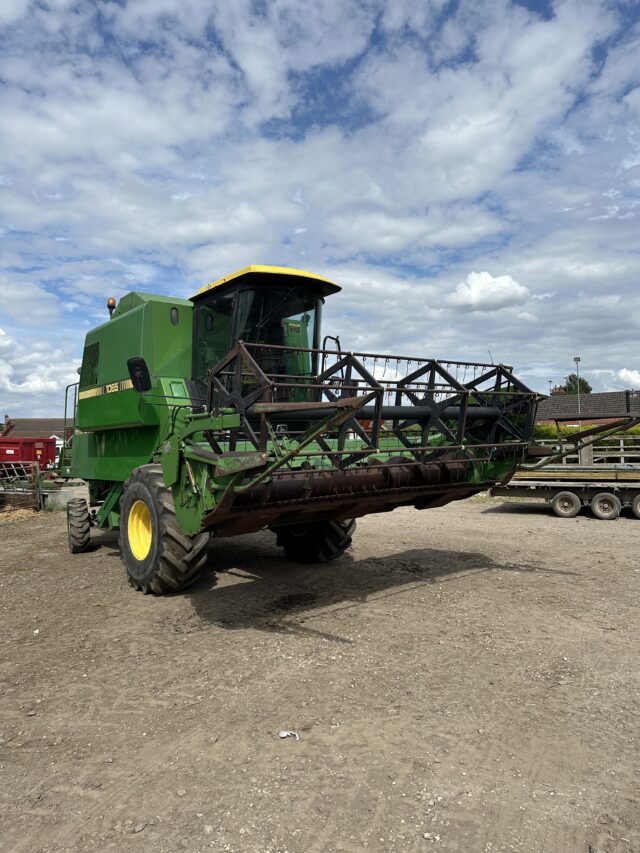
column 11, row 10
column 30, row 379
column 483, row 292
column 27, row 303
column 172, row 141
column 388, row 231
column 463, row 127
column 7, row 344
column 631, row 378
column 321, row 33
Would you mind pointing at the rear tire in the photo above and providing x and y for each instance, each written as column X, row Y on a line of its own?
column 566, row 504
column 78, row 525
column 157, row 556
column 606, row 506
column 318, row 542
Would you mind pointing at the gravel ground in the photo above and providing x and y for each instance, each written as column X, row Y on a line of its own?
column 465, row 679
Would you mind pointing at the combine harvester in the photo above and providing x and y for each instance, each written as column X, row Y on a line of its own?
column 223, row 415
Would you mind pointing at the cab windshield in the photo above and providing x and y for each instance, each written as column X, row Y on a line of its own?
column 280, row 316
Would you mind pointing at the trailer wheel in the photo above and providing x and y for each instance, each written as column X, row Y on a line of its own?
column 78, row 525
column 605, row 506
column 566, row 504
column 157, row 556
column 318, row 542
column 635, row 506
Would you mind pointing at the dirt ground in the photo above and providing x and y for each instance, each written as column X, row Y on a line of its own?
column 465, row 679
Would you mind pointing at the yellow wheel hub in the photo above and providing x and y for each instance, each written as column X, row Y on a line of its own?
column 139, row 530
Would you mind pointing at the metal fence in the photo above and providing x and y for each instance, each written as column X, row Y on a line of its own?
column 20, row 485
column 624, row 450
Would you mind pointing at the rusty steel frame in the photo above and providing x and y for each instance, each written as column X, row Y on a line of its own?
column 414, row 437
column 446, row 405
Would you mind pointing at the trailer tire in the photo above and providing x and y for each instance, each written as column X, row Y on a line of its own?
column 635, row 506
column 318, row 542
column 78, row 525
column 157, row 556
column 605, row 506
column 566, row 504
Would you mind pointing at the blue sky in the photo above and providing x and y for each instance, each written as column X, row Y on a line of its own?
column 469, row 172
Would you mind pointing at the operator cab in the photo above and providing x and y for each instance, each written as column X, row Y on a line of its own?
column 275, row 306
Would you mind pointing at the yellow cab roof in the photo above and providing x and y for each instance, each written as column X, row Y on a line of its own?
column 261, row 274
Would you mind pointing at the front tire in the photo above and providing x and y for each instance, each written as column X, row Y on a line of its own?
column 318, row 542
column 78, row 525
column 157, row 556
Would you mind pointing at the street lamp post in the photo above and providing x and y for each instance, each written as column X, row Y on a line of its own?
column 577, row 362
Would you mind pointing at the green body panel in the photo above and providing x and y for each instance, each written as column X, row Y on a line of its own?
column 115, row 410
column 111, row 454
column 118, row 429
column 144, row 328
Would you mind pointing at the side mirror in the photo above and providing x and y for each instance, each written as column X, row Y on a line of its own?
column 139, row 373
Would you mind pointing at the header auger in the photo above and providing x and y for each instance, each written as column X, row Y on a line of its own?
column 223, row 415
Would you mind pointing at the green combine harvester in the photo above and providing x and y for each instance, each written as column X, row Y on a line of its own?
column 224, row 414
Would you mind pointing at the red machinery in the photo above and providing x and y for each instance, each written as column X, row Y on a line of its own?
column 40, row 450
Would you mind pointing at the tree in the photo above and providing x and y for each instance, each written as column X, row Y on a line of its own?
column 571, row 385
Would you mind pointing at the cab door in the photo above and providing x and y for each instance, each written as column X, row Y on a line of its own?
column 212, row 337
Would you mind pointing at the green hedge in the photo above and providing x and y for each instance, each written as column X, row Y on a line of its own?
column 549, row 431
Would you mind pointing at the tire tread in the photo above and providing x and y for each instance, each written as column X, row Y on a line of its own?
column 320, row 542
column 595, row 509
column 180, row 557
column 78, row 525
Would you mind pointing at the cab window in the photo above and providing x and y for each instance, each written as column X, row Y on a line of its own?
column 213, row 333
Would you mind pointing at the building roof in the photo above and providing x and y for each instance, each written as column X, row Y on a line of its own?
column 37, row 427
column 610, row 404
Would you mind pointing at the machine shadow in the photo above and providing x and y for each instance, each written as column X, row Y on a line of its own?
column 255, row 587
column 516, row 508
column 539, row 508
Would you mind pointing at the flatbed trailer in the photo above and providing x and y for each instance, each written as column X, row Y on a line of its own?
column 605, row 489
